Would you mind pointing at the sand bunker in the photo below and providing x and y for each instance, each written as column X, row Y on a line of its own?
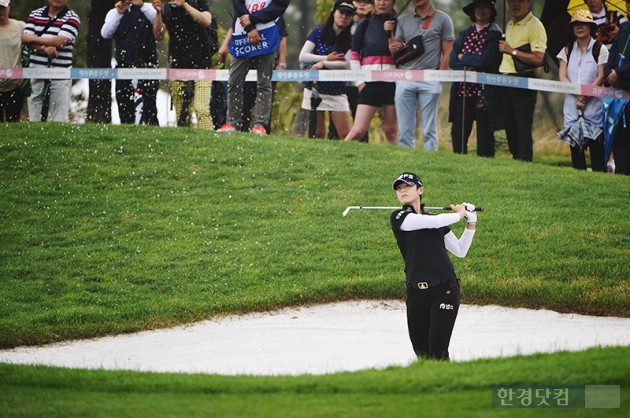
column 328, row 338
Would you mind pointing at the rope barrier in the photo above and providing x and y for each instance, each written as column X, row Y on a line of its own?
column 312, row 75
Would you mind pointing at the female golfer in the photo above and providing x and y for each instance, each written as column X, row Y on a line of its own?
column 432, row 286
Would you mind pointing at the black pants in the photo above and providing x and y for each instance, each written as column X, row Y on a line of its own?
column 518, row 114
column 125, row 96
column 578, row 158
column 467, row 112
column 621, row 146
column 11, row 105
column 431, row 315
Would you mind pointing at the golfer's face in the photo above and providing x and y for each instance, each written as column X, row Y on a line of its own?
column 407, row 194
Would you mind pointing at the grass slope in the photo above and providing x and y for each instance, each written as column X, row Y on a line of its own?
column 431, row 389
column 113, row 229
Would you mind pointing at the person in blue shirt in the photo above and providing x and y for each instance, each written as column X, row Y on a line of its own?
column 327, row 47
column 254, row 44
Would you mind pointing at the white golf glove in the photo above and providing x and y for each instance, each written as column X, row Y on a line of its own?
column 471, row 215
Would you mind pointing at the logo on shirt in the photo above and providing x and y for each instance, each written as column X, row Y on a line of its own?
column 447, row 306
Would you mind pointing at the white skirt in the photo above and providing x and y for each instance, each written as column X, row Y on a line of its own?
column 330, row 103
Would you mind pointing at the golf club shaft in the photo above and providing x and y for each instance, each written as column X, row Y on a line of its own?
column 349, row 208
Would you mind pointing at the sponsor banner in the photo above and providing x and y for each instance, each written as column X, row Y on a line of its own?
column 48, row 73
column 397, row 75
column 341, row 75
column 93, row 73
column 605, row 92
column 300, row 76
column 222, row 75
column 10, row 72
column 449, row 76
column 187, row 74
column 142, row 73
column 296, row 75
column 502, row 80
column 553, row 86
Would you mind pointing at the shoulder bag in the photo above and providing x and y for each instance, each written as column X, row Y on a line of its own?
column 414, row 47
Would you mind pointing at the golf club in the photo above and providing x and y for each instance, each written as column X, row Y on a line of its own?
column 349, row 208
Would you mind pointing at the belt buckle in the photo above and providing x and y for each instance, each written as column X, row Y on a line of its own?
column 423, row 285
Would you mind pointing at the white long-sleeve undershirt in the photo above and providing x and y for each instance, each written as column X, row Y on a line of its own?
column 113, row 18
column 458, row 247
column 307, row 57
column 415, row 221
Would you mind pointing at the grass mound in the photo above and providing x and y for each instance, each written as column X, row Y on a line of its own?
column 113, row 229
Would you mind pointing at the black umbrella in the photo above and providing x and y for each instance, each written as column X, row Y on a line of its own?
column 316, row 100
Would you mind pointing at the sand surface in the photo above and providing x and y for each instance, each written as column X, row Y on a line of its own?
column 328, row 338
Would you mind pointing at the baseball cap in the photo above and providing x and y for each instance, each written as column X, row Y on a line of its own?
column 411, row 179
column 345, row 6
column 5, row 3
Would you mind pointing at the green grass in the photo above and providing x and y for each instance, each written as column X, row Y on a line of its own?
column 431, row 389
column 110, row 229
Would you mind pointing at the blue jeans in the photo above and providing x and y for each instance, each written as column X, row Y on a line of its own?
column 409, row 95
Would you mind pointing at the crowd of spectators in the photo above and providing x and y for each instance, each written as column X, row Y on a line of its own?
column 359, row 34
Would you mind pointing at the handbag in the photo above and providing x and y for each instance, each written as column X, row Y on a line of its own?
column 522, row 66
column 482, row 99
column 414, row 47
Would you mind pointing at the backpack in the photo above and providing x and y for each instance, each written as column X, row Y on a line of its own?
column 597, row 46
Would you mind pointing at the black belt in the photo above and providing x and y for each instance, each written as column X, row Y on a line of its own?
column 426, row 285
column 418, row 285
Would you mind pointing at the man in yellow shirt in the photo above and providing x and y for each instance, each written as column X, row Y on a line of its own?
column 519, row 104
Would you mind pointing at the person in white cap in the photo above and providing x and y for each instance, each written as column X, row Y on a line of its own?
column 433, row 295
column 11, row 95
